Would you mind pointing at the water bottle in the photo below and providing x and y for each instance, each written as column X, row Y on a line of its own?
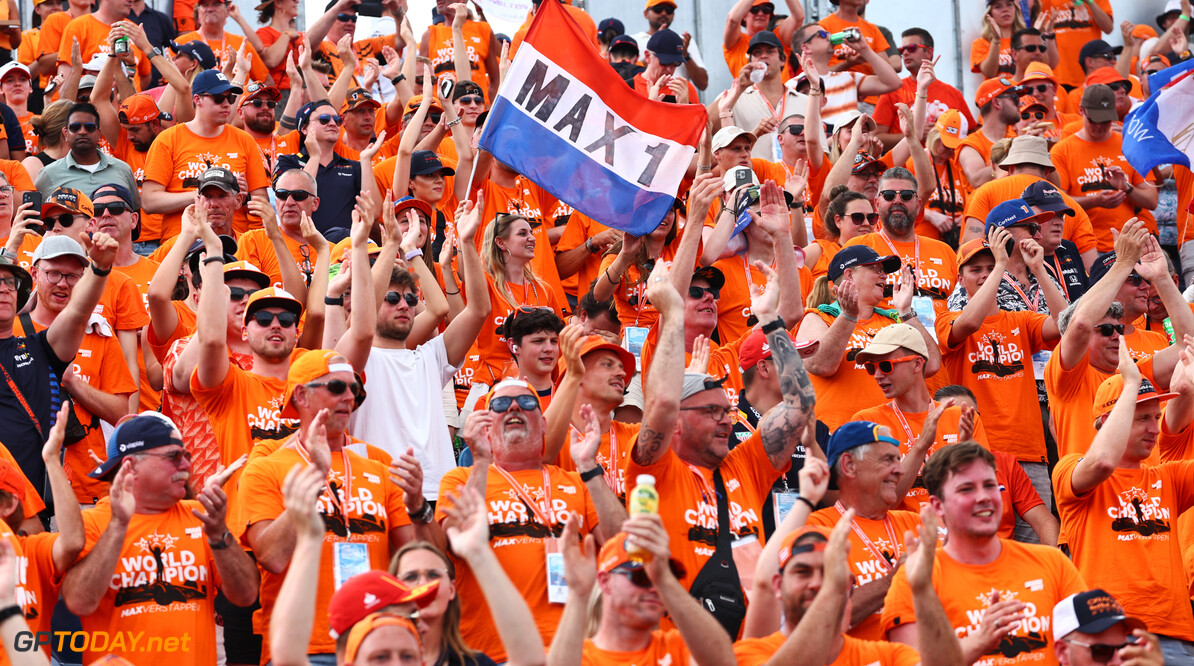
column 643, row 499
column 1168, row 325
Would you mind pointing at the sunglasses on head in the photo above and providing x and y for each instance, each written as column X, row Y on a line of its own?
column 695, row 292
column 338, row 386
column 820, row 33
column 909, row 48
column 267, row 103
column 502, row 403
column 472, row 99
column 887, row 366
column 65, row 220
column 327, row 118
column 1031, row 227
column 1028, row 115
column 223, row 98
column 890, row 195
column 116, row 208
column 239, row 293
column 638, row 577
column 86, row 127
column 859, row 218
column 1102, row 652
column 1032, row 48
column 761, row 9
column 393, row 297
column 1106, row 330
column 297, row 195
column 346, row 18
column 286, row 318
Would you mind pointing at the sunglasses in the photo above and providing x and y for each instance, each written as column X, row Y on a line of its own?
column 1101, row 56
column 820, row 33
column 434, row 117
column 890, row 195
column 472, row 99
column 909, row 48
column 393, row 297
column 1120, row 86
column 65, row 220
column 663, row 9
column 1135, row 279
column 338, row 386
column 762, row 9
column 1028, row 115
column 86, row 127
column 1039, row 90
column 887, row 366
column 286, row 319
column 267, row 103
column 859, row 218
column 346, row 18
column 1106, row 330
column 502, row 403
column 795, row 130
column 1031, row 227
column 638, row 577
column 175, row 457
column 699, row 292
column 118, row 208
column 1102, row 652
column 297, row 195
column 239, row 294
column 223, row 98
column 327, row 118
column 1032, row 48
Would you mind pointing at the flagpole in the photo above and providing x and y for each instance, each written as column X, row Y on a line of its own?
column 468, row 190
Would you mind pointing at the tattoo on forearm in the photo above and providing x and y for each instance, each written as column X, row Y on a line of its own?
column 794, row 382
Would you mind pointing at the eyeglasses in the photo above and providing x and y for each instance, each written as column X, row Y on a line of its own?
column 223, row 98
column 1028, row 115
column 1105, row 330
column 65, row 220
column 239, row 294
column 393, row 297
column 1031, row 227
column 699, row 292
column 909, row 48
column 412, row 578
column 1040, row 90
column 472, row 99
column 715, row 412
column 175, row 457
column 886, row 367
column 638, row 577
column 7, row 190
column 1102, row 652
column 267, row 103
column 1032, row 48
column 297, row 195
column 859, row 218
column 117, row 208
column 286, row 319
column 54, row 277
column 890, row 195
column 502, row 403
column 338, row 386
column 327, row 118
column 820, row 33
column 1120, row 86
column 346, row 18
column 762, row 9
column 663, row 9
column 86, row 127
column 9, row 282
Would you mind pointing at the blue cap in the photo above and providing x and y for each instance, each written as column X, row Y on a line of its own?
column 624, row 42
column 611, row 24
column 853, row 435
column 114, row 190
column 1009, row 213
column 860, row 255
column 667, row 46
column 211, row 82
column 145, row 431
column 1045, row 195
column 303, row 116
column 198, row 51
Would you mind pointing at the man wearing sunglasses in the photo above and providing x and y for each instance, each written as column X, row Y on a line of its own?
column 131, row 130
column 1029, row 46
column 998, row 102
column 1133, row 295
column 359, row 114
column 258, row 110
column 297, row 195
column 1092, row 628
column 661, row 14
column 340, row 19
column 916, row 48
column 340, row 179
column 85, row 167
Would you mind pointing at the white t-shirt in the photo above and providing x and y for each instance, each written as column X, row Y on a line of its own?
column 404, row 407
column 752, row 107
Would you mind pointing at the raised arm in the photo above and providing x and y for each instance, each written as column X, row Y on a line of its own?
column 86, row 583
column 163, row 319
column 312, row 296
column 733, row 31
column 1154, row 268
column 982, row 302
column 294, row 617
column 611, row 513
column 356, row 342
column 71, row 535
column 211, row 326
column 884, row 80
column 460, row 333
column 1107, row 448
column 66, row 333
column 667, row 369
column 580, row 573
column 901, row 302
column 932, row 624
column 558, row 415
column 239, row 580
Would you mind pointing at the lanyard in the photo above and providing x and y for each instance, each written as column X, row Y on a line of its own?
column 1056, row 265
column 915, row 253
column 615, row 461
column 341, row 505
column 904, row 422
column 750, row 281
column 883, row 560
column 543, row 514
column 707, row 490
column 783, row 102
column 1030, row 301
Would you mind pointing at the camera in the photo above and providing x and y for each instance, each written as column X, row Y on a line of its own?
column 369, row 8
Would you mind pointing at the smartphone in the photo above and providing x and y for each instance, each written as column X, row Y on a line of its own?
column 1011, row 245
column 446, row 86
column 33, row 199
column 741, row 176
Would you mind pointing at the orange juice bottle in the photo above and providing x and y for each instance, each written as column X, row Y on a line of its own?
column 643, row 499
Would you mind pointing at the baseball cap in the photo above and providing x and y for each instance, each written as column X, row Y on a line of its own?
column 362, row 629
column 852, row 435
column 257, row 89
column 11, row 67
column 273, row 297
column 88, row 81
column 1102, row 264
column 1171, row 7
column 340, row 250
column 755, row 348
column 357, row 98
column 1143, row 31
column 1111, row 388
column 1099, row 103
column 764, row 38
column 699, row 382
column 194, row 252
column 1038, row 71
column 712, row 275
column 113, row 190
column 860, row 255
column 411, row 202
column 788, row 546
column 862, row 161
column 1096, row 47
column 1090, row 612
column 463, row 88
column 1044, row 195
column 953, row 127
column 614, row 24
column 593, row 343
column 368, row 592
column 1106, row 76
column 413, row 105
column 138, row 109
column 68, row 199
column 971, row 249
column 309, row 366
column 212, row 82
column 24, row 280
column 1152, row 59
column 892, row 337
column 149, row 430
column 847, row 119
column 652, row 3
column 1028, row 101
column 219, row 177
column 1028, row 150
column 52, row 247
column 726, row 135
column 1009, row 213
column 246, row 270
column 198, row 51
column 302, row 117
column 624, row 42
column 992, row 88
column 615, row 555
column 426, row 162
column 667, row 46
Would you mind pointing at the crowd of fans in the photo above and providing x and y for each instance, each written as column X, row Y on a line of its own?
column 294, row 373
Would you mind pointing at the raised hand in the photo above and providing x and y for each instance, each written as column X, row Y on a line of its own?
column 814, row 477
column 584, row 453
column 468, row 524
column 662, row 293
column 51, row 450
column 407, row 474
column 921, row 550
column 764, row 303
column 905, row 289
column 316, row 442
column 580, row 558
column 571, row 340
column 300, row 495
column 120, row 494
column 476, row 434
column 468, row 225
column 700, row 355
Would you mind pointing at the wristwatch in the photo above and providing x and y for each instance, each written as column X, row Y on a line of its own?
column 225, row 541
column 908, row 317
column 157, row 51
column 424, row 515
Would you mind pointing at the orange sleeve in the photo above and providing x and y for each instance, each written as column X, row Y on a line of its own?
column 1023, row 493
column 51, row 32
column 17, row 175
column 897, row 605
column 130, row 309
column 979, row 49
column 31, row 501
column 261, row 494
column 256, row 175
column 159, row 162
column 70, row 33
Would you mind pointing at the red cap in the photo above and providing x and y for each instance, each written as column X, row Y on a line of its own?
column 787, row 547
column 755, row 348
column 369, row 592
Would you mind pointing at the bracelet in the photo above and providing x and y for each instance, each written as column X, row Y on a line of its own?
column 454, row 123
column 1048, row 35
column 774, row 325
column 592, row 474
column 705, row 167
column 102, row 272
column 611, row 280
column 452, row 293
column 209, row 260
column 814, row 92
column 339, row 300
column 1183, row 17
column 9, row 255
column 424, row 515
column 847, row 317
column 10, row 611
column 398, row 79
column 907, row 317
column 811, row 506
column 919, row 96
column 592, row 247
column 288, row 122
column 414, row 254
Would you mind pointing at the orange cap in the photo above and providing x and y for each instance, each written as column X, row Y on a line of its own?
column 12, row 479
column 1028, row 101
column 1111, row 388
column 483, row 402
column 138, row 109
column 788, row 547
column 614, row 555
column 308, row 367
column 244, row 269
column 341, row 249
column 414, row 103
column 593, row 343
column 272, row 297
column 1144, row 31
column 952, row 127
column 652, row 3
column 1104, row 75
column 363, row 628
column 992, row 88
column 970, row 249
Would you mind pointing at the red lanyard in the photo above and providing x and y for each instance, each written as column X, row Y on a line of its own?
column 1061, row 277
column 904, row 422
column 340, row 504
column 783, row 102
column 915, row 251
column 1012, row 283
column 543, row 514
column 615, row 461
column 870, row 545
column 707, row 489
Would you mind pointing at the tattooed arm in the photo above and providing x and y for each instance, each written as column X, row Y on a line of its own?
column 667, row 370
column 783, row 424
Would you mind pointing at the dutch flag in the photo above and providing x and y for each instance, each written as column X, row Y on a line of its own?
column 565, row 119
column 1159, row 131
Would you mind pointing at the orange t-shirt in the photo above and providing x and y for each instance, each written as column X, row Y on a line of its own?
column 228, row 47
column 828, row 249
column 630, row 295
column 736, row 56
column 580, row 228
column 274, row 145
column 758, row 651
column 1126, row 524
column 666, row 647
column 269, row 36
column 372, row 509
column 907, row 427
column 688, row 504
column 994, row 192
column 870, row 32
column 1039, row 576
column 613, row 454
column 849, row 389
column 17, row 175
column 1016, row 491
column 364, row 49
column 477, row 38
column 734, row 316
column 42, row 579
column 1081, row 170
column 92, row 35
column 30, row 135
column 724, row 361
column 141, row 273
column 180, row 609
column 1142, row 344
column 934, row 263
column 1074, row 28
column 980, row 143
column 871, row 561
column 1071, row 399
column 981, row 48
column 948, row 198
column 255, row 247
column 518, row 537
column 995, row 363
column 50, row 37
column 179, row 156
column 125, row 151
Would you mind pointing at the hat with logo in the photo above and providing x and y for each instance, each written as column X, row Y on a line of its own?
column 413, row 105
column 273, row 297
column 369, row 592
column 971, row 249
column 246, row 271
column 953, row 127
column 1109, row 391
column 624, row 42
column 853, row 256
column 426, row 162
column 612, row 24
column 24, row 280
column 615, row 554
column 667, row 46
column 755, row 348
column 198, row 51
column 863, row 161
column 219, row 177
column 764, row 38
column 1010, row 213
column 1152, row 59
column 1028, row 101
column 256, row 89
column 852, row 435
column 302, row 117
column 1045, row 195
column 466, row 88
column 592, row 343
column 195, row 252
column 1090, row 612
column 309, row 366
column 893, row 337
column 52, row 247
column 13, row 67
column 212, row 82
column 712, row 275
column 803, row 540
column 70, row 200
column 139, row 109
column 992, row 88
column 1101, row 266
column 1098, row 101
column 699, row 382
column 358, row 98
column 1106, row 76
column 1038, row 71
column 1096, row 47
column 1028, row 150
column 149, row 430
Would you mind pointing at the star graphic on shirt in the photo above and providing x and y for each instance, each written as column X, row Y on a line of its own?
column 164, row 541
column 883, row 545
column 1004, row 595
column 1134, row 493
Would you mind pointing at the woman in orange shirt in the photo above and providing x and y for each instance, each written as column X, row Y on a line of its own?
column 624, row 270
column 1002, row 20
column 850, row 215
column 51, row 146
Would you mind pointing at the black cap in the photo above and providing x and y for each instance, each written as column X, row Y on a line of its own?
column 195, row 251
column 625, row 42
column 303, row 117
column 466, row 88
column 712, row 275
column 221, row 178
column 198, row 51
column 1044, row 195
column 667, row 46
column 611, row 24
column 1096, row 47
column 1102, row 264
column 114, row 190
column 765, row 38
column 426, row 162
column 860, row 255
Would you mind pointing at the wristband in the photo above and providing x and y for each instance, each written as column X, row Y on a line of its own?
column 907, row 317
column 591, row 246
column 288, row 122
column 11, row 611
column 811, row 506
column 102, row 272
column 592, row 474
column 414, row 254
column 339, row 300
column 847, row 317
column 773, row 325
column 424, row 515
column 209, row 260
column 611, row 279
column 1048, row 35
column 398, row 79
column 11, row 256
column 1183, row 17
